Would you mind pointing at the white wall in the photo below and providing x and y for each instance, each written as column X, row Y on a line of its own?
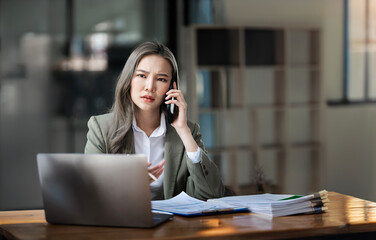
column 351, row 152
column 350, row 130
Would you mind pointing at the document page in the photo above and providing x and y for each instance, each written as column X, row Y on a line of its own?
column 247, row 200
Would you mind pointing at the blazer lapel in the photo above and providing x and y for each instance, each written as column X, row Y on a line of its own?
column 173, row 150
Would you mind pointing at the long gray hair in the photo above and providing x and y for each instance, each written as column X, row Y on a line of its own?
column 120, row 134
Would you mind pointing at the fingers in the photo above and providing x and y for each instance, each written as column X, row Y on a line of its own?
column 176, row 97
column 174, row 93
column 156, row 170
column 157, row 166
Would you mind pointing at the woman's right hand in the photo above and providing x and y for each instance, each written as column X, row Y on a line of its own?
column 156, row 170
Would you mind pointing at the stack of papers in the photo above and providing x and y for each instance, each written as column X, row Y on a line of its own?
column 277, row 205
column 274, row 205
column 185, row 205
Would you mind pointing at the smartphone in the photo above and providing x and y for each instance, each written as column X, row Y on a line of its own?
column 170, row 108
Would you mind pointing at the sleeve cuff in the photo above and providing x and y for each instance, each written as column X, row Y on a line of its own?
column 195, row 157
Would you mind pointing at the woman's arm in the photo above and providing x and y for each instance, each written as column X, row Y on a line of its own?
column 204, row 180
column 180, row 123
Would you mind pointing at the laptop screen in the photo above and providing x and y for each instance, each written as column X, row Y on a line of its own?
column 95, row 189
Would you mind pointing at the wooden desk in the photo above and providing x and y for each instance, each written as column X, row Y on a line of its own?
column 346, row 215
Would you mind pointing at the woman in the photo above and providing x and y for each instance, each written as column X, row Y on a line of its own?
column 137, row 124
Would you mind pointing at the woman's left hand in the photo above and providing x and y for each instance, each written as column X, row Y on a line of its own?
column 181, row 120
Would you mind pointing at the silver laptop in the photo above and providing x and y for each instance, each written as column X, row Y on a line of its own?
column 97, row 189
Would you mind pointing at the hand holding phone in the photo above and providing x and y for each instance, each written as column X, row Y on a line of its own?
column 170, row 108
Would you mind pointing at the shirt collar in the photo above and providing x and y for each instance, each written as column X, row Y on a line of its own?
column 159, row 131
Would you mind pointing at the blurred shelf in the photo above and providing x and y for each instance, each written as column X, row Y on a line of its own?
column 262, row 85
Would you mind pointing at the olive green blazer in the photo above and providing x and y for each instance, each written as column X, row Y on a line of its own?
column 200, row 180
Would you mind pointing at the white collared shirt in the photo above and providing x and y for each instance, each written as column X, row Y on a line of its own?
column 153, row 148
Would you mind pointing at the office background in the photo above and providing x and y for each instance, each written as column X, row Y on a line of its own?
column 59, row 61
